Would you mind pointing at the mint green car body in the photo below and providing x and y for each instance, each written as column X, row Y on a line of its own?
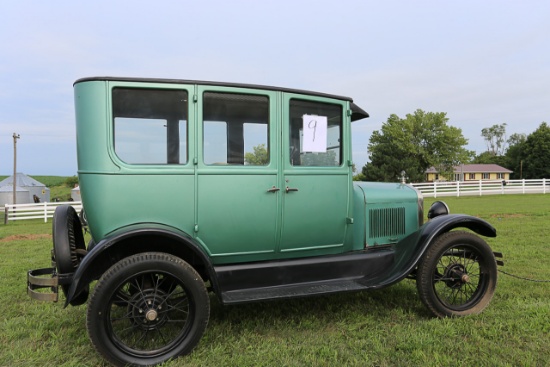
column 249, row 190
column 227, row 209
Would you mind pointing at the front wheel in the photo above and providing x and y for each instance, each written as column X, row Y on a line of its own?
column 457, row 276
column 146, row 309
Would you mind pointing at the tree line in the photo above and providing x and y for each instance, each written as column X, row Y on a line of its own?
column 423, row 140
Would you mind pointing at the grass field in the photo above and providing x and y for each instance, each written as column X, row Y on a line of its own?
column 388, row 327
column 49, row 181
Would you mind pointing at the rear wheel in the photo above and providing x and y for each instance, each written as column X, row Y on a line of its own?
column 457, row 275
column 146, row 309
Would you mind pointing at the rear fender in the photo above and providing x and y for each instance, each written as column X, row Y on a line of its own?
column 410, row 250
column 137, row 239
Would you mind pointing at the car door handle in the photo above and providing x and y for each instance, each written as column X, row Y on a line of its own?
column 289, row 189
column 273, row 189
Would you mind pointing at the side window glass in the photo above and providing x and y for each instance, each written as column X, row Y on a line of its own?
column 315, row 133
column 255, row 144
column 235, row 129
column 150, row 125
column 215, row 142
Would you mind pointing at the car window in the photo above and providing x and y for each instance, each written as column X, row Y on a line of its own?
column 150, row 125
column 235, row 129
column 315, row 133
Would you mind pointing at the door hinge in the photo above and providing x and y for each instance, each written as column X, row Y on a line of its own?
column 349, row 220
column 195, row 98
column 196, row 228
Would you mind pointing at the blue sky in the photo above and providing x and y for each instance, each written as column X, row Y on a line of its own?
column 481, row 62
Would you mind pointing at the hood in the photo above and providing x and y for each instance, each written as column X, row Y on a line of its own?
column 385, row 192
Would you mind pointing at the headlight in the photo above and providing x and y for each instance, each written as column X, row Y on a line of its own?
column 438, row 208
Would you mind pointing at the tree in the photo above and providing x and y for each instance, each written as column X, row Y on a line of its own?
column 512, row 158
column 489, row 158
column 260, row 156
column 495, row 137
column 516, row 139
column 414, row 144
column 71, row 181
column 515, row 155
column 536, row 153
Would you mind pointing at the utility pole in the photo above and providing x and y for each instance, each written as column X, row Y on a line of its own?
column 521, row 169
column 15, row 137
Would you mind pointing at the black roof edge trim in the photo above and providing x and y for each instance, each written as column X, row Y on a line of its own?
column 211, row 83
column 357, row 113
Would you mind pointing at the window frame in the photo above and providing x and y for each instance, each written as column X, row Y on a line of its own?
column 189, row 130
column 233, row 129
column 288, row 132
column 272, row 124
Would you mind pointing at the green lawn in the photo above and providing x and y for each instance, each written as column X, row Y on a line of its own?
column 49, row 181
column 388, row 327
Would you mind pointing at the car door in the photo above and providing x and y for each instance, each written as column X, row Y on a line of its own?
column 316, row 176
column 238, row 200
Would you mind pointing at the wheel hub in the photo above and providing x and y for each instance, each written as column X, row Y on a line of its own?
column 146, row 309
column 151, row 315
column 456, row 276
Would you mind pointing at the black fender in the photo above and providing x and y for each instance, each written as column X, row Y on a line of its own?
column 136, row 239
column 409, row 251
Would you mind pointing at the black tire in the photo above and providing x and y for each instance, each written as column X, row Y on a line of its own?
column 68, row 247
column 457, row 276
column 146, row 309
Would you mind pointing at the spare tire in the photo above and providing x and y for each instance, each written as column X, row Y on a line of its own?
column 68, row 246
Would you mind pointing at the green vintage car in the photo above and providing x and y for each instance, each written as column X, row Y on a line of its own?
column 245, row 191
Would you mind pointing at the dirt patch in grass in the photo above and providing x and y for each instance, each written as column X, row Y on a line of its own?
column 21, row 237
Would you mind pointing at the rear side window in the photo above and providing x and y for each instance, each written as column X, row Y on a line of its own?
column 150, row 125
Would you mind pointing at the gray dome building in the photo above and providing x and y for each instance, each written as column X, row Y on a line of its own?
column 28, row 190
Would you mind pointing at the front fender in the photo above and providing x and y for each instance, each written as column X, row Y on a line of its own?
column 445, row 223
column 116, row 246
column 410, row 250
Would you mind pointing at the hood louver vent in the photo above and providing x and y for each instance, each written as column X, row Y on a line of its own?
column 386, row 222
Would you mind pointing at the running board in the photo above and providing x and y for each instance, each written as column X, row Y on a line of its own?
column 291, row 291
column 303, row 277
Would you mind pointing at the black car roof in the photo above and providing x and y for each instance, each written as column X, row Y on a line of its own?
column 357, row 112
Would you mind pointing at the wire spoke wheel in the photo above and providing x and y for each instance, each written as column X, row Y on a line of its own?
column 460, row 277
column 149, row 312
column 147, row 309
column 457, row 275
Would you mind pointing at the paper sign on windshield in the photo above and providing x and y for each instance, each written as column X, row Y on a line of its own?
column 315, row 134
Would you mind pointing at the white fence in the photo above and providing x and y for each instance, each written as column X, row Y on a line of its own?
column 35, row 210
column 428, row 189
column 464, row 188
